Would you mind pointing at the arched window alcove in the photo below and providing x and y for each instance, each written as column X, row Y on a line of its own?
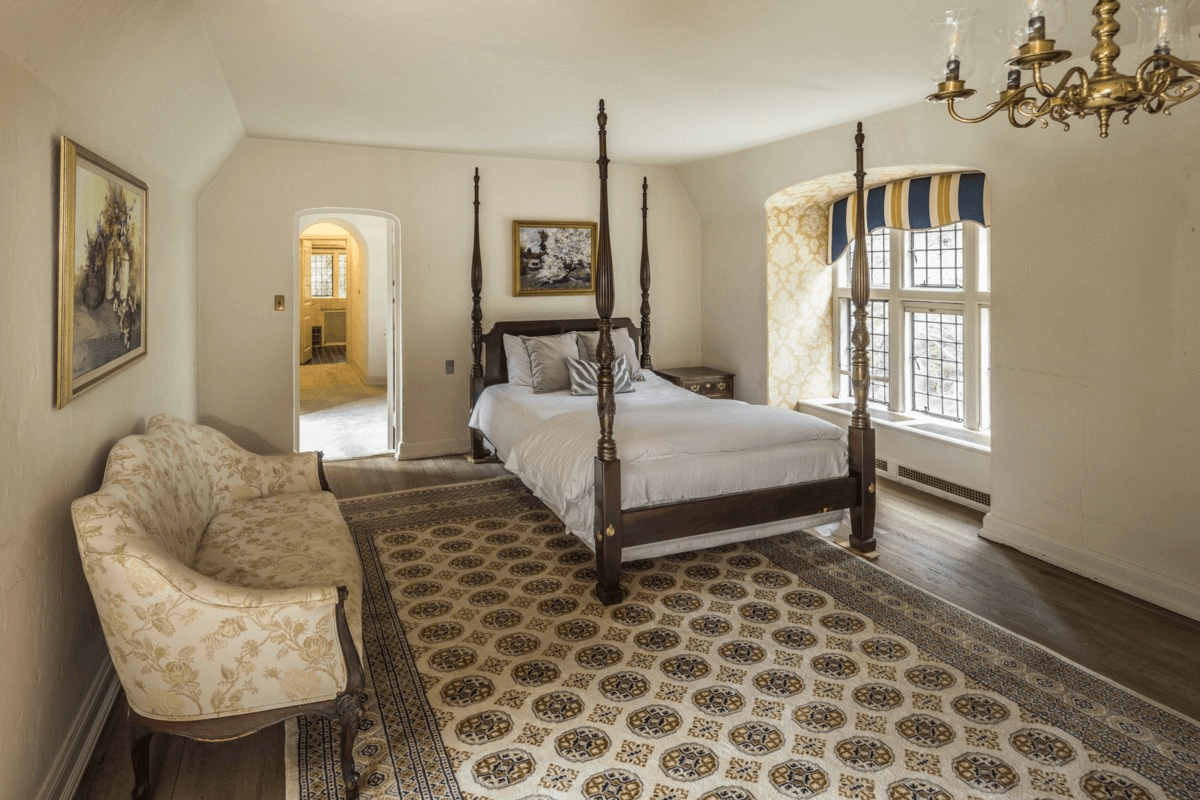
column 800, row 313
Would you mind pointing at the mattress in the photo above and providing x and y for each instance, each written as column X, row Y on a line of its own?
column 674, row 446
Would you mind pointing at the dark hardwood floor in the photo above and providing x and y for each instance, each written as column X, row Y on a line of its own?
column 927, row 541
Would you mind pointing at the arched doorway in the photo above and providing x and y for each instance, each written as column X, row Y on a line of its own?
column 347, row 405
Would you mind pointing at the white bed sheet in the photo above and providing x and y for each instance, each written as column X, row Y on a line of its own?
column 549, row 441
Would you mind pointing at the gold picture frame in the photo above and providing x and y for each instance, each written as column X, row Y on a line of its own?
column 102, row 213
column 554, row 258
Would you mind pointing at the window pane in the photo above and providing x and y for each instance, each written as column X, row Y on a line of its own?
column 937, row 258
column 937, row 364
column 878, row 259
column 321, row 275
column 341, row 275
column 877, row 350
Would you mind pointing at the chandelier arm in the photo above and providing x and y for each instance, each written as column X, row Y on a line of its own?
column 1013, row 108
column 994, row 109
column 1163, row 89
column 1156, row 82
column 1030, row 108
column 1155, row 62
column 1177, row 93
column 1045, row 90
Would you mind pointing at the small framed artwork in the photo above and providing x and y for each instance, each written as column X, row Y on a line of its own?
column 554, row 258
column 101, row 270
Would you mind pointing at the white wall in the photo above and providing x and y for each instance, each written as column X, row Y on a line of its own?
column 1095, row 343
column 170, row 123
column 247, row 216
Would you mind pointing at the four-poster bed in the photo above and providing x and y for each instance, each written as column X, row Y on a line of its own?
column 698, row 471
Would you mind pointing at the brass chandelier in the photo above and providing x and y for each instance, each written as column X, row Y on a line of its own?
column 1163, row 80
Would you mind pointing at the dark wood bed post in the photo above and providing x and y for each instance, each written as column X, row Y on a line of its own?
column 862, row 435
column 646, row 364
column 608, row 466
column 479, row 452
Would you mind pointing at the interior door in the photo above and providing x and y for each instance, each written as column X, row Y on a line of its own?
column 393, row 339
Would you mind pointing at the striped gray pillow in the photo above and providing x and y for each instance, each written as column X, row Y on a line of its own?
column 584, row 374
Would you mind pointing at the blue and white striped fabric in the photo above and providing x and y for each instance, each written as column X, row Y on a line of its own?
column 584, row 373
column 915, row 204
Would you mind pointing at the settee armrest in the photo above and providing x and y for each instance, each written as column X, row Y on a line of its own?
column 187, row 647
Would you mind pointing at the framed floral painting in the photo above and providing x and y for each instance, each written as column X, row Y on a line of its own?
column 554, row 258
column 101, row 270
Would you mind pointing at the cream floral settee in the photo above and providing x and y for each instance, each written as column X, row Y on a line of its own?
column 228, row 587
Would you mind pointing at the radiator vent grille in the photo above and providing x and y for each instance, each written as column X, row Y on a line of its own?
column 881, row 464
column 974, row 495
column 334, row 326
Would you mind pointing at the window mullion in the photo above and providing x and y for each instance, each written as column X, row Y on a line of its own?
column 971, row 406
column 972, row 409
column 896, row 368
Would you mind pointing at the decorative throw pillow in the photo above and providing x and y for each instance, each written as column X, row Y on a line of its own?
column 584, row 374
column 622, row 345
column 548, row 360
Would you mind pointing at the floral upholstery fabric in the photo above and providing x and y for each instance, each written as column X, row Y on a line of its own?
column 215, row 574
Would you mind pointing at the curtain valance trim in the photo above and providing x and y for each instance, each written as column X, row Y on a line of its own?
column 913, row 204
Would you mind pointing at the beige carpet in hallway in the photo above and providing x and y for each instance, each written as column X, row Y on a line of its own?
column 339, row 414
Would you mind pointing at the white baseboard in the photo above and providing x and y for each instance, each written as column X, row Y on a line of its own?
column 76, row 752
column 1119, row 575
column 435, row 447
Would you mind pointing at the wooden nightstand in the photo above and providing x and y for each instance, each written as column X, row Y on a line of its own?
column 707, row 381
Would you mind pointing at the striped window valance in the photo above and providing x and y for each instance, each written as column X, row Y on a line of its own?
column 914, row 204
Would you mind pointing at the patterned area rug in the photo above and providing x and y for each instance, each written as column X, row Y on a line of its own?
column 784, row 668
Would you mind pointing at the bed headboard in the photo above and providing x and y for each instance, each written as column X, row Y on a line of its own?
column 495, row 365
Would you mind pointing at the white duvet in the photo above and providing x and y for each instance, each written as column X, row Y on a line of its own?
column 673, row 445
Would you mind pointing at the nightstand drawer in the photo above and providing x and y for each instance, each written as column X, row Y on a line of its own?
column 707, row 381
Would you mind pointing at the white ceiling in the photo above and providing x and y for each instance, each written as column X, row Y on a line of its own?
column 682, row 79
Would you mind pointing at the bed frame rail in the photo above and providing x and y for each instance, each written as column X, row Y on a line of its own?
column 674, row 520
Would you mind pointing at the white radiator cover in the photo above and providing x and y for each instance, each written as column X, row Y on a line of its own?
column 333, row 326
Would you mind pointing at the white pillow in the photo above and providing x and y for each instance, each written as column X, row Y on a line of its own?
column 520, row 373
column 622, row 346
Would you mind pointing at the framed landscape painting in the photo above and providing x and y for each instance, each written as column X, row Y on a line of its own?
column 554, row 258
column 101, row 270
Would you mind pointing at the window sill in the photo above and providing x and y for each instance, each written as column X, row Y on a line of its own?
column 913, row 423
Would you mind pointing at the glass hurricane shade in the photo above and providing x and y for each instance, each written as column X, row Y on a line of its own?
column 1009, row 40
column 954, row 58
column 1163, row 28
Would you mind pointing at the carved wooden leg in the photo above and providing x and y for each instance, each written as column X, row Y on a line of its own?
column 350, row 713
column 608, row 534
column 349, row 706
column 862, row 514
column 140, row 738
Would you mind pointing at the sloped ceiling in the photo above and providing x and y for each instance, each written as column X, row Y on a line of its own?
column 142, row 71
column 683, row 79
